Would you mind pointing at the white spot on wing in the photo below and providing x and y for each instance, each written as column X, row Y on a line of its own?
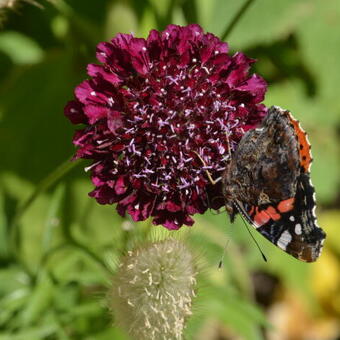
column 292, row 218
column 313, row 211
column 284, row 240
column 298, row 229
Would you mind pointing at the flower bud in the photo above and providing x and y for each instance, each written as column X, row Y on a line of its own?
column 152, row 292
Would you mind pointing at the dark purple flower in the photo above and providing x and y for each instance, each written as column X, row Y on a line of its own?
column 150, row 107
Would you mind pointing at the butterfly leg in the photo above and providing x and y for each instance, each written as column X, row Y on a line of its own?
column 212, row 181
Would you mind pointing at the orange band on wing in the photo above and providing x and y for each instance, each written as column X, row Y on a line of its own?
column 286, row 205
column 261, row 217
column 273, row 213
column 304, row 146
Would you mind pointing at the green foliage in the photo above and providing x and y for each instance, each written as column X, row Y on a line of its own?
column 57, row 258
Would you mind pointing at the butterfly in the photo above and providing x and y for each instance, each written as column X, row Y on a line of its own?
column 268, row 181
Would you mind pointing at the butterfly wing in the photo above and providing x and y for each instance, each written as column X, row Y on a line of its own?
column 266, row 164
column 291, row 224
column 268, row 182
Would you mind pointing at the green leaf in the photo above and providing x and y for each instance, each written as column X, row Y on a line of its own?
column 39, row 301
column 318, row 35
column 32, row 106
column 233, row 310
column 53, row 217
column 31, row 333
column 265, row 21
column 120, row 19
column 20, row 48
column 12, row 304
column 318, row 121
column 190, row 11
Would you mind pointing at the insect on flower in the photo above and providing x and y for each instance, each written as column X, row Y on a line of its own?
column 268, row 181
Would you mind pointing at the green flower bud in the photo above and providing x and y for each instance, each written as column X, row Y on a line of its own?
column 152, row 291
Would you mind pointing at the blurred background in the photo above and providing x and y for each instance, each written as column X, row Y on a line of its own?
column 52, row 278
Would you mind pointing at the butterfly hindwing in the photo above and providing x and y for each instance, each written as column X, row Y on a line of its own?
column 292, row 224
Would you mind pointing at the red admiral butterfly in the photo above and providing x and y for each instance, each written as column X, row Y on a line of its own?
column 268, row 182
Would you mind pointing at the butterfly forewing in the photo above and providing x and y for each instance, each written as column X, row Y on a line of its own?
column 268, row 182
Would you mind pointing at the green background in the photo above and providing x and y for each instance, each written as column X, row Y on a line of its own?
column 54, row 256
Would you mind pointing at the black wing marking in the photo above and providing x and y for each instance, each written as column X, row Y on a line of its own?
column 296, row 231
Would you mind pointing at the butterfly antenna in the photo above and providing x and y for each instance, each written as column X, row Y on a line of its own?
column 252, row 236
column 220, row 264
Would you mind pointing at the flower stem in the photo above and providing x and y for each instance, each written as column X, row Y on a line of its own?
column 91, row 254
column 236, row 19
column 71, row 242
column 44, row 184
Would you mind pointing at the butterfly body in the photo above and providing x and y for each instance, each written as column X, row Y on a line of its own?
column 268, row 182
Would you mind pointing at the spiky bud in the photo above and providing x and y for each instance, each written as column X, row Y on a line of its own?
column 152, row 292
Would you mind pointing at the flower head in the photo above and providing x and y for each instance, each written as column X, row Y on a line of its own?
column 150, row 108
column 153, row 290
